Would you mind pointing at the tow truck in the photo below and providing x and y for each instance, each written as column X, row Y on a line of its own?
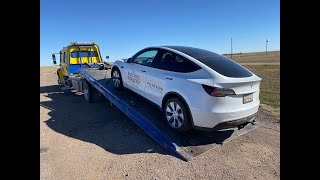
column 75, row 56
column 93, row 79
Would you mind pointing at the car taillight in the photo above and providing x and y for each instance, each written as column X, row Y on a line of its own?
column 217, row 91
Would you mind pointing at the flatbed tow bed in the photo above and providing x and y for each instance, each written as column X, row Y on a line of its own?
column 149, row 118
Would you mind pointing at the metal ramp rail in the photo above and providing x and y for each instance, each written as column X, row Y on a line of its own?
column 196, row 144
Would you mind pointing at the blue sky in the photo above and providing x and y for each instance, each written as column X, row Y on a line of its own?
column 122, row 27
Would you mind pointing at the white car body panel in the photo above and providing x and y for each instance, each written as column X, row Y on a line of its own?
column 206, row 111
column 133, row 78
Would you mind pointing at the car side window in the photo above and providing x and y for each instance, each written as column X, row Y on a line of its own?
column 174, row 62
column 146, row 58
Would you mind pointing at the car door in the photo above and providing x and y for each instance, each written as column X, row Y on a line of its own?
column 155, row 85
column 159, row 77
column 136, row 70
column 167, row 73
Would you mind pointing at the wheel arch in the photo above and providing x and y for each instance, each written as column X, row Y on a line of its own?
column 172, row 94
column 115, row 66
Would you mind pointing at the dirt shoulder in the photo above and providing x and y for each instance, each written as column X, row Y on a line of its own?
column 93, row 141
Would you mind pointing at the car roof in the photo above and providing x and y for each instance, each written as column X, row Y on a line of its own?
column 214, row 61
column 179, row 47
column 192, row 51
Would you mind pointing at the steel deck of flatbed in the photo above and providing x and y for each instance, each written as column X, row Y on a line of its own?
column 149, row 118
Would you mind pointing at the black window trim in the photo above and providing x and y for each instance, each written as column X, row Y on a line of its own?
column 193, row 63
column 141, row 52
column 162, row 50
column 183, row 49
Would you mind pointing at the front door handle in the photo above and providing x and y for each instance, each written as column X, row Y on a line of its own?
column 143, row 71
column 169, row 78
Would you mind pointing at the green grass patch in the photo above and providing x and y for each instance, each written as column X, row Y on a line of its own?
column 270, row 84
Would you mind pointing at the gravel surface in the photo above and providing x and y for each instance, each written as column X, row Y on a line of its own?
column 94, row 141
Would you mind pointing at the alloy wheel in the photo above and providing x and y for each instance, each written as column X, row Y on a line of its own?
column 174, row 114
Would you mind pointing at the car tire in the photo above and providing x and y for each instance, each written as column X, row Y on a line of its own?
column 116, row 79
column 176, row 115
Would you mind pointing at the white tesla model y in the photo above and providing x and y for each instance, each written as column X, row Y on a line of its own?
column 193, row 87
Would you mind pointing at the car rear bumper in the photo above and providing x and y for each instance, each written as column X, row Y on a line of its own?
column 210, row 120
column 229, row 124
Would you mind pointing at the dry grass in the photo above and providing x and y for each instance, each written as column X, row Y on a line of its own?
column 257, row 58
column 270, row 84
column 266, row 66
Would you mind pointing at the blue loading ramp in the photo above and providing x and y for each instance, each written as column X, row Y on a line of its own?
column 149, row 118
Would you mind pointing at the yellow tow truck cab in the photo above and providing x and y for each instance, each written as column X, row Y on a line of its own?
column 75, row 56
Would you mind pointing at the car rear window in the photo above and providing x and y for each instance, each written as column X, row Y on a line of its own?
column 215, row 61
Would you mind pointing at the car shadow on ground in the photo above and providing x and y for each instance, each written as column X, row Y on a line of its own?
column 110, row 129
column 96, row 123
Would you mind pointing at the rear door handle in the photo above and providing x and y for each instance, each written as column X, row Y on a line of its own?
column 121, row 66
column 169, row 78
column 143, row 71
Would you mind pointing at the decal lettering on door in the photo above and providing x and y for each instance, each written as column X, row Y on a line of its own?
column 134, row 79
column 155, row 85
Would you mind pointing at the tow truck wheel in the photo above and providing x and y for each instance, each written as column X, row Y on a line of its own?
column 87, row 91
column 116, row 79
column 176, row 115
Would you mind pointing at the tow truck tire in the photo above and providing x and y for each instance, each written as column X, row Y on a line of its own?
column 90, row 94
column 176, row 115
column 87, row 91
column 116, row 79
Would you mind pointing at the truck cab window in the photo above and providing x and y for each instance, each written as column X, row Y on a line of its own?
column 63, row 58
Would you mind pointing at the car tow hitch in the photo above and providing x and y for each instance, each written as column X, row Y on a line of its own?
column 252, row 122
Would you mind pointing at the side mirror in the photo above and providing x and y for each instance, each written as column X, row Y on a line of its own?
column 54, row 59
column 128, row 60
column 107, row 57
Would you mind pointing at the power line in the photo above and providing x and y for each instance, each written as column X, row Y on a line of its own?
column 231, row 47
column 267, row 46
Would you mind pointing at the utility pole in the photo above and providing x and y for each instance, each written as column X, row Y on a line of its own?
column 266, row 46
column 231, row 47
